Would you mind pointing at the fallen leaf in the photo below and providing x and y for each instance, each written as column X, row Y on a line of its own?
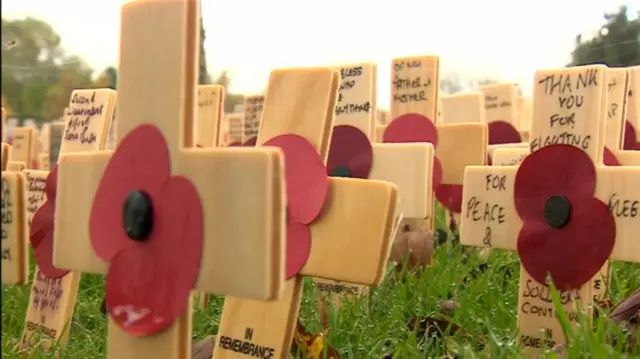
column 203, row 348
column 413, row 247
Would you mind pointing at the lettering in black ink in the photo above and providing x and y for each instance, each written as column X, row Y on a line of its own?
column 623, row 208
column 562, row 83
column 612, row 110
column 479, row 211
column 563, row 121
column 252, row 115
column 46, row 293
column 570, row 101
column 338, row 288
column 7, row 213
column 246, row 347
column 536, row 342
column 487, row 237
column 564, row 138
column 534, row 290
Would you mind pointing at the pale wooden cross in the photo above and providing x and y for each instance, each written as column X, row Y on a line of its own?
column 253, row 107
column 407, row 165
column 617, row 106
column 240, row 245
column 210, row 106
column 15, row 252
column 235, row 129
column 52, row 298
column 525, row 107
column 631, row 127
column 509, row 156
column 56, row 132
column 500, row 103
column 358, row 216
column 22, row 147
column 465, row 107
column 494, row 195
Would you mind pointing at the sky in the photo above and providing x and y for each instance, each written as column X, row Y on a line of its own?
column 502, row 39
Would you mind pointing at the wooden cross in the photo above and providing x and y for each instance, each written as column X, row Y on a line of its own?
column 56, row 132
column 210, row 105
column 525, row 106
column 235, row 128
column 501, row 113
column 52, row 299
column 463, row 108
column 358, row 216
column 617, row 89
column 509, row 156
column 253, row 107
column 22, row 146
column 502, row 210
column 632, row 124
column 15, row 252
column 238, row 191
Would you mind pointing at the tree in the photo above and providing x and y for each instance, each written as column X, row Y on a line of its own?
column 107, row 79
column 33, row 64
column 616, row 45
column 203, row 76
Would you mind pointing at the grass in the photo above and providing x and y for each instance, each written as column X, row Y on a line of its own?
column 487, row 314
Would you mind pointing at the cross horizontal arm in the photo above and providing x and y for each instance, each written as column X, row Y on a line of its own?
column 358, row 219
column 489, row 217
column 618, row 187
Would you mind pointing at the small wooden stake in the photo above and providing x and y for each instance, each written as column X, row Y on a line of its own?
column 15, row 253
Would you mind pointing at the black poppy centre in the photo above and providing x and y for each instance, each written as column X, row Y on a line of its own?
column 137, row 215
column 341, row 171
column 557, row 211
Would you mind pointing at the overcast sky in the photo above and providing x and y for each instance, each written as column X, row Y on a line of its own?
column 504, row 39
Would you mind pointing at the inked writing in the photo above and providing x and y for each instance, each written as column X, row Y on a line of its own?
column 534, row 292
column 492, row 102
column 252, row 115
column 46, row 293
column 82, row 111
column 35, row 195
column 338, row 288
column 623, row 208
column 7, row 219
column 246, row 347
column 408, row 89
column 350, row 77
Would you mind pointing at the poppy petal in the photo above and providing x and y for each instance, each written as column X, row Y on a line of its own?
column 630, row 141
column 41, row 238
column 350, row 148
column 573, row 254
column 450, row 196
column 298, row 248
column 552, row 170
column 234, row 144
column 609, row 159
column 306, row 176
column 140, row 162
column 149, row 283
column 250, row 142
column 501, row 132
column 437, row 173
column 489, row 160
column 411, row 127
column 50, row 185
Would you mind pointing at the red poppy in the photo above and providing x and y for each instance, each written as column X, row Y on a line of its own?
column 248, row 143
column 609, row 159
column 412, row 127
column 41, row 232
column 501, row 132
column 148, row 225
column 567, row 233
column 350, row 153
column 307, row 189
column 630, row 139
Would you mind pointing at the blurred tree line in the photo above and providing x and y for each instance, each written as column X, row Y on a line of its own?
column 617, row 44
column 38, row 76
